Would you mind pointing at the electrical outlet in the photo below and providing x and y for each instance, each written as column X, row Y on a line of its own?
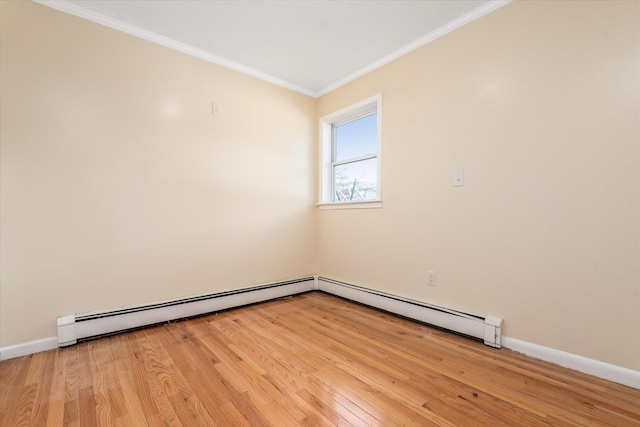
column 431, row 278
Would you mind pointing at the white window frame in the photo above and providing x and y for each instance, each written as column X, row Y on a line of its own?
column 327, row 149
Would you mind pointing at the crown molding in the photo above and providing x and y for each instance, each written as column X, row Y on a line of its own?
column 426, row 39
column 133, row 30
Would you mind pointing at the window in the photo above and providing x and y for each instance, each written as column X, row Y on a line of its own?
column 350, row 156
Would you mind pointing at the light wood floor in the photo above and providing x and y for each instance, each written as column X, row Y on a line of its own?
column 307, row 360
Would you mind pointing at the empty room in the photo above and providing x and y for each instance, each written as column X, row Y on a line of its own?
column 332, row 213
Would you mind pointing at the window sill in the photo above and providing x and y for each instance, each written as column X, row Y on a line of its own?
column 363, row 204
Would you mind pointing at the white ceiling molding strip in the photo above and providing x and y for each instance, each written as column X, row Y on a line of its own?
column 428, row 38
column 116, row 24
column 133, row 30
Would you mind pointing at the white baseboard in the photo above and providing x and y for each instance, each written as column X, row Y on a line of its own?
column 27, row 348
column 593, row 367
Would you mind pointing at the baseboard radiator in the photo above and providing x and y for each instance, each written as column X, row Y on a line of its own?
column 487, row 328
column 78, row 327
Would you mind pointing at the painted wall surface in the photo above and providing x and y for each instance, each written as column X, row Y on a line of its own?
column 538, row 103
column 119, row 187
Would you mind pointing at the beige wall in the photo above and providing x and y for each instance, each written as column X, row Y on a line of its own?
column 118, row 185
column 539, row 104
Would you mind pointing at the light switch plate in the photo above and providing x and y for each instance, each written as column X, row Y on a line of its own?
column 458, row 179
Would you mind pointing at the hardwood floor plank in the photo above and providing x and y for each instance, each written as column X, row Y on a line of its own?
column 36, row 368
column 54, row 414
column 50, row 391
column 398, row 410
column 20, row 409
column 205, row 401
column 333, row 413
column 87, row 405
column 162, row 401
column 232, row 416
column 312, row 359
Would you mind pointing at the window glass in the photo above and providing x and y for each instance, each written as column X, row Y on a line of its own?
column 356, row 180
column 356, row 138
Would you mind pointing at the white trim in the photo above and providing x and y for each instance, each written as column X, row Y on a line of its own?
column 133, row 30
column 582, row 364
column 357, row 204
column 428, row 38
column 27, row 348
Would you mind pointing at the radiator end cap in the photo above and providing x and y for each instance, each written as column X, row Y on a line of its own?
column 493, row 331
column 67, row 331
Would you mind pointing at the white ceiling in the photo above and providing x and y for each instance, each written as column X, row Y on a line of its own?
column 305, row 45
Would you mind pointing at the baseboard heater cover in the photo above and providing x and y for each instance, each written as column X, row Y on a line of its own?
column 74, row 327
column 487, row 328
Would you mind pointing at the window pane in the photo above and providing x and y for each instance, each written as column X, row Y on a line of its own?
column 357, row 138
column 356, row 181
